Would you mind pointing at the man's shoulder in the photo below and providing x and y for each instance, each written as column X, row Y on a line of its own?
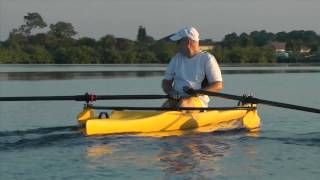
column 177, row 56
column 206, row 56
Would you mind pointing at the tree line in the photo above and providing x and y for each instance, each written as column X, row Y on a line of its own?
column 30, row 44
column 256, row 47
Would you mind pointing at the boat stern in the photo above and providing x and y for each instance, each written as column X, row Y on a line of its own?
column 86, row 114
column 252, row 121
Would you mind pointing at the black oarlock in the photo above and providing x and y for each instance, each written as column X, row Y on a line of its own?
column 89, row 98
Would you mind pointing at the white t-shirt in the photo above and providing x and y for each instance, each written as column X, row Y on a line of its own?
column 192, row 71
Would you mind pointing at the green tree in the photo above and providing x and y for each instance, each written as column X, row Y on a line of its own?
column 123, row 44
column 32, row 21
column 14, row 56
column 86, row 41
column 230, row 40
column 129, row 56
column 163, row 50
column 108, row 41
column 234, row 55
column 281, row 37
column 142, row 36
column 62, row 30
column 111, row 56
column 108, row 50
column 256, row 56
column 147, row 57
column 245, row 40
column 261, row 38
column 39, row 54
column 270, row 55
column 62, row 56
column 218, row 54
column 5, row 56
column 16, row 41
column 77, row 55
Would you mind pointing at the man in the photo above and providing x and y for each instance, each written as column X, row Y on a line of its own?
column 188, row 69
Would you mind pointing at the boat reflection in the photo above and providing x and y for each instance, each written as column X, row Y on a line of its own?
column 192, row 157
column 200, row 156
column 183, row 155
column 113, row 156
column 98, row 151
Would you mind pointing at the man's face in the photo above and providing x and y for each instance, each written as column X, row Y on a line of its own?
column 183, row 46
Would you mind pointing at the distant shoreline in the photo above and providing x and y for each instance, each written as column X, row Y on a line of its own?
column 105, row 71
column 164, row 65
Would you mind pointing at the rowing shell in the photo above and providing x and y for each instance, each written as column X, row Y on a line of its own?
column 129, row 121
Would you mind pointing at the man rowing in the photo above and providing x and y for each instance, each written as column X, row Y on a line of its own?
column 188, row 69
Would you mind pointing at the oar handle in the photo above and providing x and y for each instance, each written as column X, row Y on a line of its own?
column 128, row 97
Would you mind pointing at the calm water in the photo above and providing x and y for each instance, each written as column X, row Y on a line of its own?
column 40, row 140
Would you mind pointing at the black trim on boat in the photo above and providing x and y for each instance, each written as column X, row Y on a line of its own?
column 171, row 109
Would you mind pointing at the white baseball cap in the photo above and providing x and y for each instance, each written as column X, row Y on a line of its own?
column 189, row 32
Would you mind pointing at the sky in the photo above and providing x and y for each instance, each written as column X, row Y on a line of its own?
column 121, row 18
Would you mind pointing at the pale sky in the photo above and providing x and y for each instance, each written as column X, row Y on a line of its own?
column 213, row 18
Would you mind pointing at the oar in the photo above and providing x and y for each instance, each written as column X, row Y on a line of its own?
column 87, row 97
column 250, row 99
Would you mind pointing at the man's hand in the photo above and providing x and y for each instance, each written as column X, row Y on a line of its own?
column 188, row 90
column 177, row 95
column 174, row 94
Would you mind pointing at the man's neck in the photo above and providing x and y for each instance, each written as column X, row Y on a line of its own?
column 193, row 53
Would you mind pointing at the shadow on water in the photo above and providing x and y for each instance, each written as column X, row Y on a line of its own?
column 208, row 145
column 58, row 136
column 38, row 131
column 309, row 139
column 37, row 138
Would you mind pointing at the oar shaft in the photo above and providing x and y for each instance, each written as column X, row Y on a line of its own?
column 222, row 95
column 86, row 97
column 43, row 98
column 285, row 105
column 259, row 101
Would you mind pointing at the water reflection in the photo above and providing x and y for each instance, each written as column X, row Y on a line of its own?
column 186, row 156
column 190, row 156
column 75, row 75
column 195, row 157
column 98, row 151
column 200, row 156
column 117, row 154
column 64, row 75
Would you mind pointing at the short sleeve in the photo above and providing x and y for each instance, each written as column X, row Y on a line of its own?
column 169, row 74
column 212, row 69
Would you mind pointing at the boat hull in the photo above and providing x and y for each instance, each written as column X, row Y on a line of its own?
column 167, row 121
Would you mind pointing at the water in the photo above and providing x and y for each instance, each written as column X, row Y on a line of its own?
column 40, row 140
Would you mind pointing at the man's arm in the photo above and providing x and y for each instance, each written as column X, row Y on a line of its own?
column 214, row 87
column 167, row 85
column 167, row 88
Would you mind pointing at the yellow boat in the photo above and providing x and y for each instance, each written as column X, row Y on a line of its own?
column 132, row 121
column 144, row 120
